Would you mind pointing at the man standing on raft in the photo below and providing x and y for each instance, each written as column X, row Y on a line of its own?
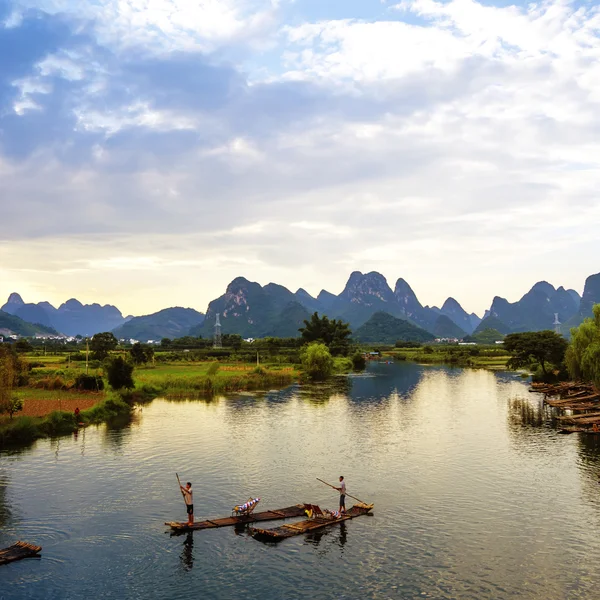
column 342, row 491
column 188, row 497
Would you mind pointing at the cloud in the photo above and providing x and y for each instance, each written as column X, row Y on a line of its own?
column 447, row 143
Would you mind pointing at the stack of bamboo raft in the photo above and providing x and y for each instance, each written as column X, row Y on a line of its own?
column 580, row 398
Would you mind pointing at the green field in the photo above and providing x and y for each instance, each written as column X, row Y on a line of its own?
column 482, row 357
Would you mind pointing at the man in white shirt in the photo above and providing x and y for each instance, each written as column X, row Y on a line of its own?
column 189, row 501
column 342, row 491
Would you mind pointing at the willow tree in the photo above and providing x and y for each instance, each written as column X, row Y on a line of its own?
column 583, row 353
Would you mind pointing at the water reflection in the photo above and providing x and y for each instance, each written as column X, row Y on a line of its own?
column 187, row 553
column 336, row 536
column 322, row 392
column 5, row 511
column 465, row 472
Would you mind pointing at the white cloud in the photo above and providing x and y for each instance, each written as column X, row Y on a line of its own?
column 461, row 153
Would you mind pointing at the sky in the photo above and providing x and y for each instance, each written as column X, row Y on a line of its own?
column 153, row 150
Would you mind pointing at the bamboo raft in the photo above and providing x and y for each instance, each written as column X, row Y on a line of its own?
column 18, row 551
column 314, row 523
column 268, row 515
column 581, row 398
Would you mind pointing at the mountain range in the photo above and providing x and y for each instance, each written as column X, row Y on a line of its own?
column 252, row 310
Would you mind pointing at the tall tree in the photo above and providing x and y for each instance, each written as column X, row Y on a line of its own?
column 102, row 343
column 141, row 354
column 544, row 347
column 333, row 333
column 119, row 373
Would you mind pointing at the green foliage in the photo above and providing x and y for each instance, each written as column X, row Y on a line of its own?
column 90, row 383
column 334, row 334
column 317, row 361
column 407, row 344
column 58, row 422
column 22, row 345
column 359, row 362
column 485, row 336
column 213, row 368
column 119, row 373
column 544, row 347
column 141, row 354
column 102, row 343
column 13, row 406
column 385, row 328
column 583, row 355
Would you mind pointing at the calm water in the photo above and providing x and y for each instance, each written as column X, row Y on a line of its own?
column 470, row 501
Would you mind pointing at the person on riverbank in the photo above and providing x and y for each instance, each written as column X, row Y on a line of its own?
column 342, row 491
column 188, row 498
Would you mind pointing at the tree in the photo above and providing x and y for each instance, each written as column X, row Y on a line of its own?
column 22, row 345
column 359, row 362
column 119, row 373
column 102, row 343
column 8, row 378
column 141, row 354
column 583, row 354
column 317, row 361
column 12, row 406
column 544, row 347
column 334, row 334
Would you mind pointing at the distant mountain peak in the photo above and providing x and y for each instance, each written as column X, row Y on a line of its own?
column 72, row 304
column 451, row 304
column 15, row 298
column 363, row 289
column 545, row 287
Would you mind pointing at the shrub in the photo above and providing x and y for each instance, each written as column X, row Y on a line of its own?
column 359, row 362
column 119, row 373
column 214, row 367
column 90, row 383
column 317, row 361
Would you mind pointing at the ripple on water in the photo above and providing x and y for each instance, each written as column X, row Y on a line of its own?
column 469, row 503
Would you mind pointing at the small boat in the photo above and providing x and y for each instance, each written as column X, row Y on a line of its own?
column 268, row 515
column 318, row 519
column 18, row 551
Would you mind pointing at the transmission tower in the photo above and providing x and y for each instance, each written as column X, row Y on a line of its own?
column 217, row 343
column 556, row 323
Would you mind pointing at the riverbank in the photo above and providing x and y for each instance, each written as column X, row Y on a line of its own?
column 50, row 412
column 22, row 430
column 478, row 357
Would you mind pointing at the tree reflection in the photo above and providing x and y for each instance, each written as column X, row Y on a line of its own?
column 5, row 512
column 322, row 392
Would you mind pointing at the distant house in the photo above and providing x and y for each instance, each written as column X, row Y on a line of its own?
column 249, row 340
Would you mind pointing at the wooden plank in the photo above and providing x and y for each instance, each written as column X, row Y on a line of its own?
column 18, row 551
column 293, row 529
column 269, row 515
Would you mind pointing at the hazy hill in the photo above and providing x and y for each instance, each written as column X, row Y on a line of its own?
column 591, row 296
column 167, row 323
column 536, row 309
column 11, row 324
column 446, row 328
column 386, row 329
column 70, row 318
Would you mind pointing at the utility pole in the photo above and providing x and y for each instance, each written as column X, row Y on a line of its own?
column 87, row 353
column 217, row 341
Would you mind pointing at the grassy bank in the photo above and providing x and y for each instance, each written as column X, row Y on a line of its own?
column 482, row 357
column 23, row 430
column 208, row 379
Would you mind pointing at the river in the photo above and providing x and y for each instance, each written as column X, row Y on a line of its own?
column 471, row 500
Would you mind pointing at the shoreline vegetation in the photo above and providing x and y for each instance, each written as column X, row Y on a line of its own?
column 50, row 396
